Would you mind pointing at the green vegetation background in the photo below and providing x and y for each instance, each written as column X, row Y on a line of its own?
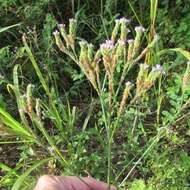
column 166, row 166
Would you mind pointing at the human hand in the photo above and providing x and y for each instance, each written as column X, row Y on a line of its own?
column 47, row 182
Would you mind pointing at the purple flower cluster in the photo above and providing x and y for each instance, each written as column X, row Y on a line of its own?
column 72, row 20
column 123, row 20
column 56, row 32
column 139, row 29
column 61, row 25
column 158, row 68
column 128, row 83
column 108, row 45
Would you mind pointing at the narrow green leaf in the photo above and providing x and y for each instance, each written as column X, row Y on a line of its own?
column 183, row 52
column 20, row 181
column 35, row 65
column 14, row 125
column 8, row 27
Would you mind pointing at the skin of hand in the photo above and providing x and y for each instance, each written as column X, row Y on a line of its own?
column 47, row 182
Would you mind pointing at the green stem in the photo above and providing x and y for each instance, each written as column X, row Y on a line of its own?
column 108, row 139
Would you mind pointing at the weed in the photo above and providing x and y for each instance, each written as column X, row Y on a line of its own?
column 112, row 103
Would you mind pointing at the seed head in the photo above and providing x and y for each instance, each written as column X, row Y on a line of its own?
column 128, row 86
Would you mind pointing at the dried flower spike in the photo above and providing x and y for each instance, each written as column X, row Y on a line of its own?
column 90, row 52
column 84, row 50
column 139, row 31
column 128, row 86
column 58, row 41
column 38, row 108
column 115, row 30
column 124, row 30
column 63, row 31
column 156, row 72
column 72, row 33
column 120, row 48
column 29, row 98
column 86, row 65
column 130, row 49
column 142, row 75
column 72, row 26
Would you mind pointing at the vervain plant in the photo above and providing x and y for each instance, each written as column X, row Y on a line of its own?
column 47, row 123
column 99, row 66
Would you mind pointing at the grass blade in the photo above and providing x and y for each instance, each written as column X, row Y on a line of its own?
column 183, row 52
column 19, row 182
column 8, row 27
column 35, row 65
column 14, row 125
